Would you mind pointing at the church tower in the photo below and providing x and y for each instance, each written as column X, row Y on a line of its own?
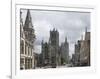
column 64, row 52
column 54, row 47
column 28, row 28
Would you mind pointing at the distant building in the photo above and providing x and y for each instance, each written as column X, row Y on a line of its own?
column 73, row 60
column 85, row 50
column 64, row 52
column 54, row 47
column 50, row 50
column 37, row 60
column 53, row 54
column 77, row 53
column 82, row 51
column 27, row 38
column 45, row 54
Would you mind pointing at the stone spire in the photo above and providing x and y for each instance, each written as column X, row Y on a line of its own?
column 87, row 34
column 66, row 40
column 28, row 20
column 85, row 29
column 53, row 29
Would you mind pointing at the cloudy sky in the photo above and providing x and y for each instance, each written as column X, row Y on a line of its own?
column 69, row 24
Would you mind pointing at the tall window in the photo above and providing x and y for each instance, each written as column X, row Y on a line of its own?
column 31, row 51
column 28, row 50
column 25, row 49
column 22, row 47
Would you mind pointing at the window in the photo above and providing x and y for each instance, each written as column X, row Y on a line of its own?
column 22, row 47
column 25, row 49
column 28, row 50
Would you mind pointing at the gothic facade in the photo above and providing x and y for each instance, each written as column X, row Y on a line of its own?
column 64, row 52
column 27, row 38
column 52, row 53
column 77, row 53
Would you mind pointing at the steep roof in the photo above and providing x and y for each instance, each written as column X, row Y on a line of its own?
column 28, row 20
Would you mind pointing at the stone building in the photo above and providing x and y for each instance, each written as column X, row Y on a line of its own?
column 51, row 51
column 77, row 53
column 45, row 54
column 85, row 50
column 54, row 47
column 82, row 51
column 27, row 38
column 73, row 59
column 64, row 49
column 37, row 60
